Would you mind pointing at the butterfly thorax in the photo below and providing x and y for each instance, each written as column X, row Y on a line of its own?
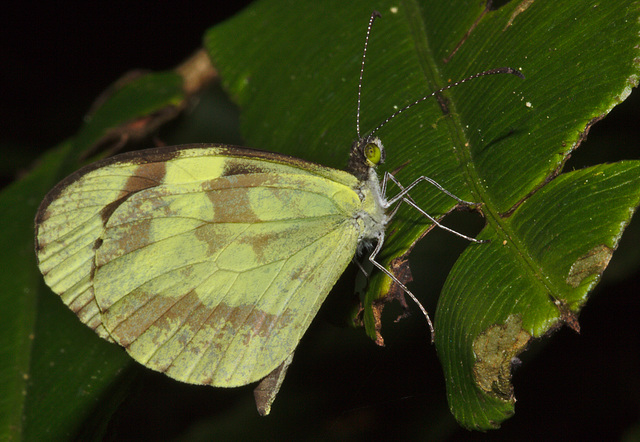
column 372, row 217
column 366, row 154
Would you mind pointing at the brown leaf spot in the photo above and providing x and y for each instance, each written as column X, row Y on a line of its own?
column 523, row 6
column 591, row 263
column 376, row 308
column 495, row 350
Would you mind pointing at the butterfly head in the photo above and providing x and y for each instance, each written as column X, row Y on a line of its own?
column 366, row 154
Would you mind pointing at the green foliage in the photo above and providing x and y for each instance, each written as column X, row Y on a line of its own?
column 502, row 143
column 293, row 69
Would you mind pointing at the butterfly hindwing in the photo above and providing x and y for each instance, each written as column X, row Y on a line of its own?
column 207, row 262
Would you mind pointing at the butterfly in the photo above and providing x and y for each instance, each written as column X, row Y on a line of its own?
column 209, row 262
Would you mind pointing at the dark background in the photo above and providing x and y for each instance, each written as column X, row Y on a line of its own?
column 58, row 57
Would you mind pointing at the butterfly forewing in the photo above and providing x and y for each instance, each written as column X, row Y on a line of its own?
column 208, row 262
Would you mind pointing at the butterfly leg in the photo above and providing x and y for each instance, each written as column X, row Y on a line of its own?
column 405, row 191
column 404, row 196
column 362, row 269
column 372, row 259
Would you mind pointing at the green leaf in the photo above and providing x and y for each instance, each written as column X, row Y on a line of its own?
column 499, row 141
column 131, row 103
column 542, row 262
column 293, row 67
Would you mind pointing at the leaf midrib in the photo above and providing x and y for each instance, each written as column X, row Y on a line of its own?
column 463, row 153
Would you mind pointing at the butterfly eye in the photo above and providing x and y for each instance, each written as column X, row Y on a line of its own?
column 372, row 153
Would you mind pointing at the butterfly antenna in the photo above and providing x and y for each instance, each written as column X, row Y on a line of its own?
column 373, row 17
column 505, row 70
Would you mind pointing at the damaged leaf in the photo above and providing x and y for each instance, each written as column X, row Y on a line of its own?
column 592, row 263
column 495, row 351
